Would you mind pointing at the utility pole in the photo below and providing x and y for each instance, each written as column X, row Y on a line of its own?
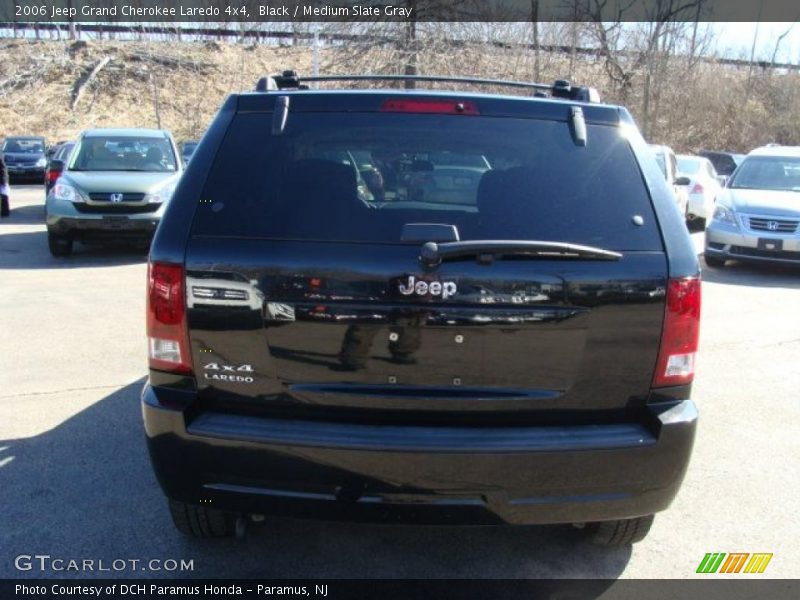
column 72, row 32
column 315, row 29
column 753, row 49
column 535, row 23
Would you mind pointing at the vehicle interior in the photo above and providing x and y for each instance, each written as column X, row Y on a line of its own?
column 124, row 154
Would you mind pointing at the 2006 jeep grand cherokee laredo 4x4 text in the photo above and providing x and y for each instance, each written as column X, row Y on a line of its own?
column 431, row 307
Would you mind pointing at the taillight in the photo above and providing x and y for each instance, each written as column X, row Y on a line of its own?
column 53, row 175
column 447, row 107
column 680, row 334
column 167, row 330
column 697, row 189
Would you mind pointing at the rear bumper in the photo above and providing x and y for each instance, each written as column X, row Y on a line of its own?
column 701, row 206
column 436, row 475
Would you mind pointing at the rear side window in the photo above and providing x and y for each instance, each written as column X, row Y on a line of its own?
column 360, row 177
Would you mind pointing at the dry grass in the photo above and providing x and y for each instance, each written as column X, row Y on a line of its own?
column 123, row 94
column 707, row 106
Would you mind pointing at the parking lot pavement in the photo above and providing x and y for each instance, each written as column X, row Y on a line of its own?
column 75, row 481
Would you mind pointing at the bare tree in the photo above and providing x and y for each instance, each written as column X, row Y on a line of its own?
column 643, row 49
column 778, row 43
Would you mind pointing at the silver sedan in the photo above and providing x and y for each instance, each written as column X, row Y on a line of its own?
column 757, row 217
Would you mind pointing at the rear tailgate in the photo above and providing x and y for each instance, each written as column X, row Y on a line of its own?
column 515, row 335
column 306, row 293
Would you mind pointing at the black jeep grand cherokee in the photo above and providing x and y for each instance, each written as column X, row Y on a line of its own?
column 431, row 307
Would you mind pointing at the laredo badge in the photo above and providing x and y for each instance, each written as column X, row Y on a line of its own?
column 229, row 372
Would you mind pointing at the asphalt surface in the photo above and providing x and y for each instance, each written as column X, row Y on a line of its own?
column 75, row 480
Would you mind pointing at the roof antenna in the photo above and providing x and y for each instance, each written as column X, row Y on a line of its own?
column 577, row 126
column 280, row 114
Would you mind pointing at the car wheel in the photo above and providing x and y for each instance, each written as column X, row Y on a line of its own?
column 619, row 533
column 60, row 245
column 201, row 521
column 695, row 224
column 687, row 218
column 714, row 261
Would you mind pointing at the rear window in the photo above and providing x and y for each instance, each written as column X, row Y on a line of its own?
column 689, row 166
column 723, row 163
column 360, row 177
column 64, row 151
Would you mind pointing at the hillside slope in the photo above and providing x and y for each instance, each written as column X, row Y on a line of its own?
column 180, row 85
column 175, row 86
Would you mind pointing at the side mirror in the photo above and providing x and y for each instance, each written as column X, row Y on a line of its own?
column 682, row 180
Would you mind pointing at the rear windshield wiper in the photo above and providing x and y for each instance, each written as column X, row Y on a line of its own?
column 486, row 251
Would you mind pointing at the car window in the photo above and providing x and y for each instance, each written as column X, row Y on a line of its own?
column 109, row 153
column 662, row 163
column 673, row 163
column 768, row 173
column 64, row 151
column 688, row 166
column 361, row 177
column 723, row 163
column 23, row 146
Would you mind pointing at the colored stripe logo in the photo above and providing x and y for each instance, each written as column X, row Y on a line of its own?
column 734, row 562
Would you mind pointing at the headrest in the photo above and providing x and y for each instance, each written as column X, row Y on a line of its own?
column 314, row 174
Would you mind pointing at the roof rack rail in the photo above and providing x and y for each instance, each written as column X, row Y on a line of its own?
column 561, row 88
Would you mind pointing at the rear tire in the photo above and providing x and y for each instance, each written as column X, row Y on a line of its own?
column 714, row 262
column 619, row 533
column 200, row 521
column 60, row 245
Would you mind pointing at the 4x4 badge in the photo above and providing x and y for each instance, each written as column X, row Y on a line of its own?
column 230, row 374
column 445, row 289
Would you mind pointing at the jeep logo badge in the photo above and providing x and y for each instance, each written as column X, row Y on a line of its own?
column 116, row 197
column 445, row 289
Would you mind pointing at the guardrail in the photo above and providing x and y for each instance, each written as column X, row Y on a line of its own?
column 325, row 37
